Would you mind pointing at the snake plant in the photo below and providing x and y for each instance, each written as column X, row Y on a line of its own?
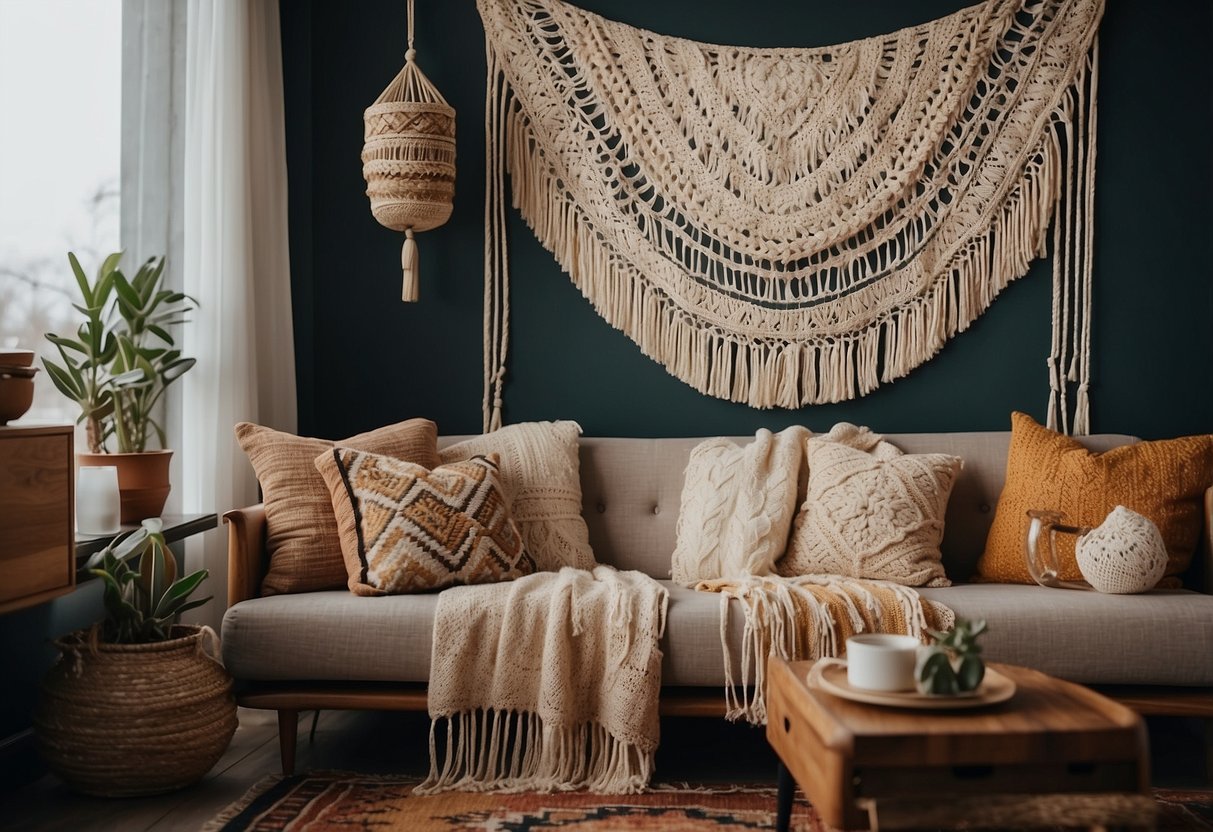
column 142, row 603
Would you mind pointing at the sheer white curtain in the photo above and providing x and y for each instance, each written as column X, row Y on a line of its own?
column 236, row 259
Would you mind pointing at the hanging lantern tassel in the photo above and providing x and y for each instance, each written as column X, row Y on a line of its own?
column 408, row 159
column 408, row 263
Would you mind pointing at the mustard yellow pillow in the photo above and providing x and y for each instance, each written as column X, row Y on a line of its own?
column 1163, row 480
column 407, row 529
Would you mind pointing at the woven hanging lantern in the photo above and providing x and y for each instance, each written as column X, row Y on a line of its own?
column 408, row 158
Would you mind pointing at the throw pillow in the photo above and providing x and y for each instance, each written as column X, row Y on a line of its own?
column 737, row 505
column 1163, row 480
column 408, row 529
column 870, row 515
column 301, row 532
column 540, row 473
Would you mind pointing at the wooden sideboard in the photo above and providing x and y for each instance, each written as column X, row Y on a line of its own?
column 37, row 554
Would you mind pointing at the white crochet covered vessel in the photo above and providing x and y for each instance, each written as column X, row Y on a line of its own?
column 1124, row 555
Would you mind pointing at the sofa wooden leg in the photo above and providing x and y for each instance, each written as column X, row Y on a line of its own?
column 288, row 729
column 1208, row 726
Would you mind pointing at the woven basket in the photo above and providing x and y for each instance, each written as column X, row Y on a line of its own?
column 408, row 161
column 119, row 720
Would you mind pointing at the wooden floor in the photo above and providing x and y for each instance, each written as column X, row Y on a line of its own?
column 692, row 750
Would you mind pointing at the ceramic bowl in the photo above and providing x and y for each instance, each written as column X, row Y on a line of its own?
column 16, row 358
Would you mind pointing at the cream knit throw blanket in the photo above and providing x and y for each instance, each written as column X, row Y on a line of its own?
column 783, row 227
column 794, row 617
column 548, row 682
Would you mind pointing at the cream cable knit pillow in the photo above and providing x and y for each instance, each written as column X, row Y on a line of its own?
column 541, row 476
column 737, row 505
column 872, row 515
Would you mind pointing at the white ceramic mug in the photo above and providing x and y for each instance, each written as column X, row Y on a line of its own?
column 98, row 503
column 878, row 661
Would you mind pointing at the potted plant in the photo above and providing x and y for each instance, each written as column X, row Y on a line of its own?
column 135, row 704
column 117, row 367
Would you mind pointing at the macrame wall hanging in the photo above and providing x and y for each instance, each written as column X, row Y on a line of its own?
column 784, row 227
column 408, row 159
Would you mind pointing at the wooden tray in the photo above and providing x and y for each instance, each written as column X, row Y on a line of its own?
column 830, row 675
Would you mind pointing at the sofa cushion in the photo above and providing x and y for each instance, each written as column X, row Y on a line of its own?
column 737, row 505
column 339, row 636
column 540, row 474
column 631, row 490
column 405, row 528
column 301, row 531
column 1164, row 637
column 1165, row 480
column 1161, row 638
column 871, row 517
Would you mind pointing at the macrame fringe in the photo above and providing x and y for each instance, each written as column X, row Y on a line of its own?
column 516, row 751
column 792, row 372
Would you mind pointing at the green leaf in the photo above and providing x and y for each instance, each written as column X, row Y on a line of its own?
column 86, row 291
column 970, row 673
column 179, row 591
column 109, row 264
column 67, row 383
column 177, row 369
column 124, row 547
column 192, row 605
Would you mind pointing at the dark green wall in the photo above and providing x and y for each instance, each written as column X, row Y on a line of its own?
column 365, row 358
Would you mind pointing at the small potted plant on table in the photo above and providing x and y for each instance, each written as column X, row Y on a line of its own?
column 136, row 705
column 117, row 368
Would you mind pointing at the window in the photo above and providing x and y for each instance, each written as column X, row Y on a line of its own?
column 60, row 156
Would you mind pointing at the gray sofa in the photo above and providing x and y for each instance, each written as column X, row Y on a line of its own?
column 337, row 650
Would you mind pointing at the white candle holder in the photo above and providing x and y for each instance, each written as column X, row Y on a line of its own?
column 98, row 503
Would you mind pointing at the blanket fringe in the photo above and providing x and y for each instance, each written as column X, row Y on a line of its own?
column 808, row 617
column 489, row 750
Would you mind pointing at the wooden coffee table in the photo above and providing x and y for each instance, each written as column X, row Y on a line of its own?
column 1055, row 750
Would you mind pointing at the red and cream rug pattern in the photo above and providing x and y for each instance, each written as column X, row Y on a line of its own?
column 327, row 801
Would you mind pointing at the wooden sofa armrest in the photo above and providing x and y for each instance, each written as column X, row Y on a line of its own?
column 245, row 552
column 1205, row 552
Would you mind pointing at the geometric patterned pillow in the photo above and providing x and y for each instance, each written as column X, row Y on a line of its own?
column 405, row 528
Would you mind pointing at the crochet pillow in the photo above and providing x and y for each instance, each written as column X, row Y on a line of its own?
column 872, row 515
column 737, row 505
column 540, row 473
column 301, row 532
column 1163, row 480
column 408, row 529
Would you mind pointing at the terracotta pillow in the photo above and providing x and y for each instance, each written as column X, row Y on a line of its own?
column 408, row 529
column 540, row 472
column 1163, row 480
column 301, row 531
column 869, row 515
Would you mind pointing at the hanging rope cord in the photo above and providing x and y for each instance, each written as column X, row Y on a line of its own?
column 408, row 158
column 685, row 227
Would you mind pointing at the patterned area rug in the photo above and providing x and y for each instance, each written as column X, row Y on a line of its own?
column 325, row 801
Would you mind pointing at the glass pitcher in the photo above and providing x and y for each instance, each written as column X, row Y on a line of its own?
column 1040, row 548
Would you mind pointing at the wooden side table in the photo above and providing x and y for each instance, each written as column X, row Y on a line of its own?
column 36, row 514
column 1056, row 749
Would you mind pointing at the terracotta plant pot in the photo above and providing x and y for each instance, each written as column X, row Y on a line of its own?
column 121, row 720
column 142, row 481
